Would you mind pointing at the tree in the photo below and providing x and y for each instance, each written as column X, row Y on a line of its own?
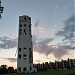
column 3, row 69
column 11, row 70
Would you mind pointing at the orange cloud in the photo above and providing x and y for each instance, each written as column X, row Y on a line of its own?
column 39, row 30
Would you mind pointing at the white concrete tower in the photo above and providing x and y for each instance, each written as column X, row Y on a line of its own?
column 25, row 51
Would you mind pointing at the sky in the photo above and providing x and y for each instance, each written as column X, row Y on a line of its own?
column 53, row 29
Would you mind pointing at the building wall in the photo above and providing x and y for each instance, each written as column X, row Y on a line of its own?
column 25, row 52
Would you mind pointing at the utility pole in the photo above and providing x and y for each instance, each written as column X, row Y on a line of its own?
column 1, row 9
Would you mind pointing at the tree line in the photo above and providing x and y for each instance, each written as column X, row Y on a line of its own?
column 4, row 69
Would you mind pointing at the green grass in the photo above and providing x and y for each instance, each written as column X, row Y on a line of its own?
column 51, row 72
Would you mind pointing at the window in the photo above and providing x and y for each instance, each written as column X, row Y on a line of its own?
column 24, row 49
column 20, row 21
column 30, row 68
column 19, row 49
column 24, row 31
column 25, row 19
column 20, row 25
column 29, row 26
column 24, row 55
column 30, row 56
column 24, row 25
column 19, row 69
column 24, row 69
column 30, row 51
column 20, row 32
column 29, row 18
column 29, row 31
column 19, row 56
column 20, row 29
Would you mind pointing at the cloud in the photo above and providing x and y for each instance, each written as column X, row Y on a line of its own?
column 36, row 24
column 68, row 31
column 69, row 47
column 38, row 28
column 57, row 50
column 60, row 50
column 55, row 11
column 11, row 59
column 38, row 61
column 42, row 47
column 34, row 39
column 7, row 43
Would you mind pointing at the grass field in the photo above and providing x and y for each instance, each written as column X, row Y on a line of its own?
column 51, row 72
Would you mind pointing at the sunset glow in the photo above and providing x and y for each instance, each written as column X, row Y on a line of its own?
column 53, row 29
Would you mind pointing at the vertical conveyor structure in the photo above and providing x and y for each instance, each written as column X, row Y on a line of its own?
column 25, row 51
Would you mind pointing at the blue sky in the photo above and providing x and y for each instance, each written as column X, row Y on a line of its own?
column 48, row 20
column 49, row 12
